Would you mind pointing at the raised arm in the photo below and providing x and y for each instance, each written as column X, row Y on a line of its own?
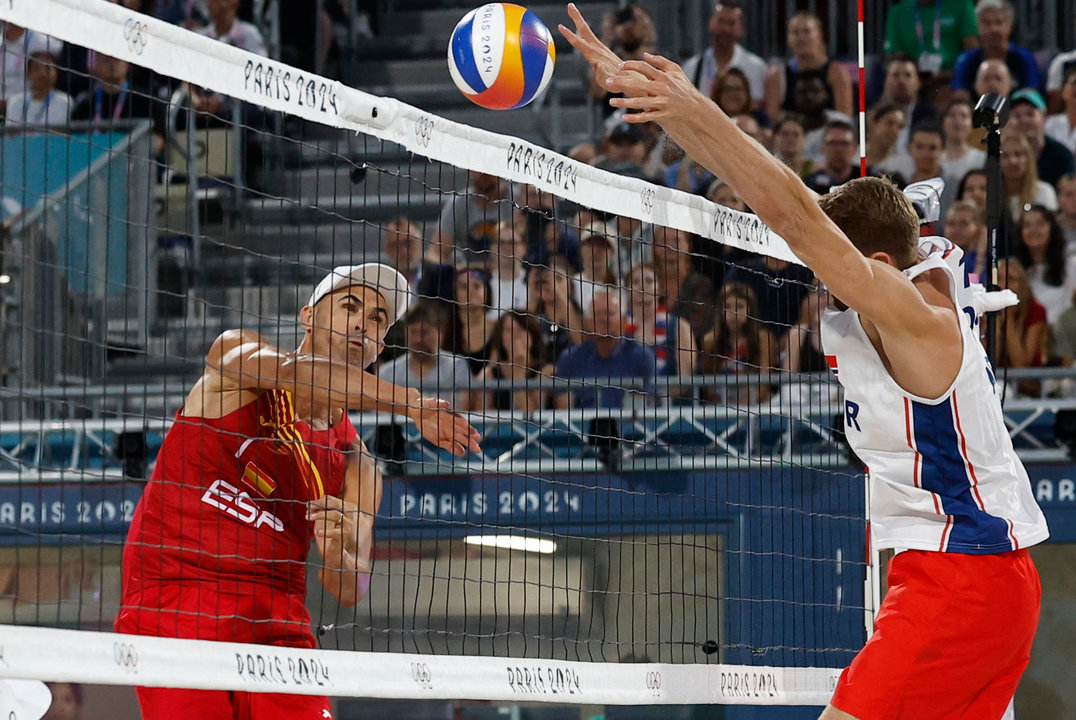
column 657, row 90
column 244, row 360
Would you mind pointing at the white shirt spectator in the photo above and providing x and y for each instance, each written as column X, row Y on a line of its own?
column 1055, row 298
column 1056, row 73
column 753, row 67
column 1057, row 127
column 973, row 159
column 508, row 293
column 1045, row 195
column 16, row 53
column 23, row 109
column 242, row 35
column 450, row 371
column 897, row 163
column 812, row 149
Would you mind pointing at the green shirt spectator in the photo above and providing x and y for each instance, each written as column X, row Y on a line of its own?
column 913, row 26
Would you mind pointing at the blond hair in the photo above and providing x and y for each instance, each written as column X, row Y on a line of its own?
column 876, row 216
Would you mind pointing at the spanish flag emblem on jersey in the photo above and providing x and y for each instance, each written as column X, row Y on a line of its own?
column 257, row 480
column 279, row 453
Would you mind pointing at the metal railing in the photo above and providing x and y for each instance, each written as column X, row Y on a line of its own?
column 78, row 254
column 796, row 427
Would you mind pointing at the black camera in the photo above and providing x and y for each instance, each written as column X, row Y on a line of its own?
column 991, row 112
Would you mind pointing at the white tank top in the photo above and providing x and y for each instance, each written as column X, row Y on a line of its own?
column 943, row 472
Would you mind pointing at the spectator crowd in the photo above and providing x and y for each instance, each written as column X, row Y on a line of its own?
column 517, row 285
column 621, row 311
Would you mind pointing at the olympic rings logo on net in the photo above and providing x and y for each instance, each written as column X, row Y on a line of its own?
column 125, row 656
column 646, row 200
column 424, row 131
column 136, row 34
column 653, row 683
column 422, row 675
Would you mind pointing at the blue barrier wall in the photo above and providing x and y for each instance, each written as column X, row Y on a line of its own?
column 36, row 165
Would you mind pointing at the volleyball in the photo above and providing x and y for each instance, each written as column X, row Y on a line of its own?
column 501, row 56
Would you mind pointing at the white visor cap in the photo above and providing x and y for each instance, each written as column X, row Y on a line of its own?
column 386, row 280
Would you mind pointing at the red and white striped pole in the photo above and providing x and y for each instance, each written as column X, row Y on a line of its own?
column 862, row 99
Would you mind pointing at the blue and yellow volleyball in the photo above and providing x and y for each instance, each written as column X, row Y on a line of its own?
column 501, row 56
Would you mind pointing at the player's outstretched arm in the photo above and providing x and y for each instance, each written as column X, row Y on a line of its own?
column 247, row 361
column 657, row 90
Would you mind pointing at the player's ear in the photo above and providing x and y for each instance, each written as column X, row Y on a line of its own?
column 306, row 319
column 883, row 257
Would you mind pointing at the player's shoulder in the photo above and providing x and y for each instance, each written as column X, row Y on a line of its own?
column 231, row 340
column 237, row 337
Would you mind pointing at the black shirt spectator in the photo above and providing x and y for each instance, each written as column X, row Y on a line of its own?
column 116, row 96
column 1053, row 159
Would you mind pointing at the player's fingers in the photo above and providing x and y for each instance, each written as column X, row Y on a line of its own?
column 574, row 40
column 640, row 105
column 639, row 66
column 647, row 115
column 660, row 61
column 325, row 518
column 329, row 516
column 327, row 501
column 468, row 438
column 581, row 25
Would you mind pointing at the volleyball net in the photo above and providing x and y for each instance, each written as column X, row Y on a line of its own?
column 663, row 512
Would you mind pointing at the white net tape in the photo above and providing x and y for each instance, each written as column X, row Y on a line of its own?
column 107, row 658
column 178, row 53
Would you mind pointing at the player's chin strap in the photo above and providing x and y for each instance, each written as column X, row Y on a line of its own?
column 981, row 300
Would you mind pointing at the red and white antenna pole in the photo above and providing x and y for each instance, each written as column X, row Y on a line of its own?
column 862, row 98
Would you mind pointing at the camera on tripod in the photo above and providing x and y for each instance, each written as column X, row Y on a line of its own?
column 991, row 112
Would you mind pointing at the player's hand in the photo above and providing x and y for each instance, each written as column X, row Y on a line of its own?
column 603, row 60
column 446, row 429
column 336, row 530
column 656, row 90
column 984, row 301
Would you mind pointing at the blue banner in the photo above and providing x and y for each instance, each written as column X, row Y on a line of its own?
column 594, row 504
column 66, row 513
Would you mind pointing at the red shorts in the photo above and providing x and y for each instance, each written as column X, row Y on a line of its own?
column 952, row 639
column 201, row 611
column 183, row 704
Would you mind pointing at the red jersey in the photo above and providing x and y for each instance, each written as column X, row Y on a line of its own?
column 218, row 544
